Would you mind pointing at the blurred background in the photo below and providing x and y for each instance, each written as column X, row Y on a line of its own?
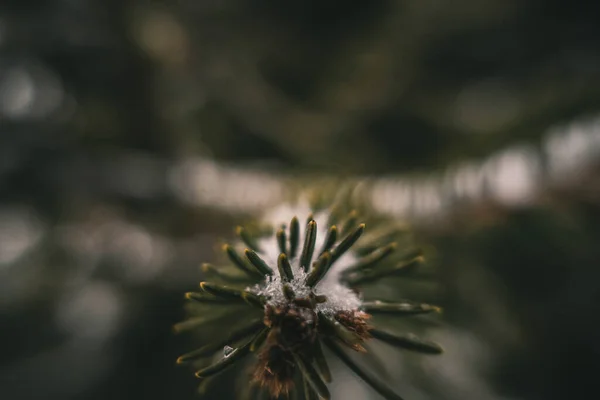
column 135, row 134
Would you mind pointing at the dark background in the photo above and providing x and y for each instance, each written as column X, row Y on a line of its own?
column 135, row 134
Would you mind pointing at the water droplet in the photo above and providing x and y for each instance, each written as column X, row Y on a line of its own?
column 227, row 350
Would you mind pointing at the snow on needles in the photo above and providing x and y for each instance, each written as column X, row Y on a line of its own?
column 339, row 297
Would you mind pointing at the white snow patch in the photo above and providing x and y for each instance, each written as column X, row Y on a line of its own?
column 339, row 297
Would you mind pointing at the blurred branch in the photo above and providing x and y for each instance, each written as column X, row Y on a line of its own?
column 516, row 176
